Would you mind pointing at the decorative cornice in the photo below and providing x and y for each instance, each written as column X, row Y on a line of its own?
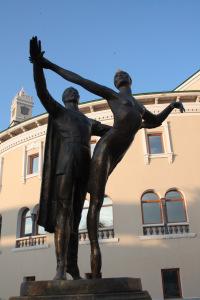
column 23, row 138
column 36, row 127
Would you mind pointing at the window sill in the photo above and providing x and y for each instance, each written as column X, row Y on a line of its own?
column 167, row 236
column 101, row 241
column 37, row 247
column 32, row 175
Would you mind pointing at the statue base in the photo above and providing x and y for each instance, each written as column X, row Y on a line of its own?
column 85, row 289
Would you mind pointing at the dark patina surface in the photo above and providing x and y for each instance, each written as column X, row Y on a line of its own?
column 107, row 288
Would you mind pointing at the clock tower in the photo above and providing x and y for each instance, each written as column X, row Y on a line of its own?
column 21, row 108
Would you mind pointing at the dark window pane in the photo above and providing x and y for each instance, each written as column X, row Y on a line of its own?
column 171, row 283
column 175, row 211
column 155, row 144
column 150, row 196
column 151, row 213
column 173, row 195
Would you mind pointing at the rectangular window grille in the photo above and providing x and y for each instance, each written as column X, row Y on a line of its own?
column 171, row 283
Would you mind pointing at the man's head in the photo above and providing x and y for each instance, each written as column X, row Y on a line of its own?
column 122, row 78
column 70, row 95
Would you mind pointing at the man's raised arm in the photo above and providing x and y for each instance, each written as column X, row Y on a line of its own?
column 40, row 83
column 89, row 85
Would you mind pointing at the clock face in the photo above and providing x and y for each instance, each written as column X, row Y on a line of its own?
column 24, row 110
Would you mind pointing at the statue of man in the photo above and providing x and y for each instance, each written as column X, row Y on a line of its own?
column 66, row 167
column 129, row 117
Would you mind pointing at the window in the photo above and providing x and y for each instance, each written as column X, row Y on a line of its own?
column 39, row 229
column 28, row 232
column 106, row 215
column 164, row 216
column 26, row 223
column 175, row 207
column 92, row 146
column 33, row 163
column 171, row 283
column 155, row 143
column 106, row 230
column 151, row 208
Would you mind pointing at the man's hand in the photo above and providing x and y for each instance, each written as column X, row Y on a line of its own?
column 178, row 105
column 36, row 53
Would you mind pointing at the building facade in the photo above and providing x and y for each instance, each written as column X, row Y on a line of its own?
column 149, row 223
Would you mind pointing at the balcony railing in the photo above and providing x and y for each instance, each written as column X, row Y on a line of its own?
column 165, row 229
column 30, row 241
column 103, row 233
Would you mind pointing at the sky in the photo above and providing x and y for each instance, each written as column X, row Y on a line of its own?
column 156, row 41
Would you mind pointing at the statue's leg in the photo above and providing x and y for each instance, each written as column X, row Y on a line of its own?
column 72, row 255
column 64, row 189
column 97, row 182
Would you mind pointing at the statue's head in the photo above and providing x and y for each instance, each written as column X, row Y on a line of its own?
column 122, row 78
column 70, row 95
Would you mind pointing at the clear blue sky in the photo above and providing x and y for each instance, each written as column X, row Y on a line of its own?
column 156, row 41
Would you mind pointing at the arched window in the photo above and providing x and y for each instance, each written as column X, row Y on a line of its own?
column 83, row 222
column 175, row 207
column 26, row 223
column 151, row 208
column 37, row 229
column 106, row 215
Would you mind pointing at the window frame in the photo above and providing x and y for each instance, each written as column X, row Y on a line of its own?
column 86, row 207
column 23, row 223
column 182, row 199
column 160, row 134
column 163, row 209
column 168, row 153
column 30, row 162
column 152, row 201
column 179, row 283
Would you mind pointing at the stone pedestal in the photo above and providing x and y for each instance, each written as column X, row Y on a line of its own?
column 88, row 289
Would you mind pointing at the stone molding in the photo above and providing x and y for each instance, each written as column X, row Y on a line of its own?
column 168, row 236
column 23, row 138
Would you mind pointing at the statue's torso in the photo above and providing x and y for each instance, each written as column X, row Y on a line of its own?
column 74, row 130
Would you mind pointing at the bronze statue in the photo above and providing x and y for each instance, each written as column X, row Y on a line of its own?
column 129, row 117
column 66, row 167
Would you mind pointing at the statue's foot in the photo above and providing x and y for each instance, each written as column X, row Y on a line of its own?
column 60, row 277
column 74, row 272
column 96, row 275
column 60, row 274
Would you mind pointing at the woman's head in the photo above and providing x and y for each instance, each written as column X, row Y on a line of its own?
column 122, row 78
